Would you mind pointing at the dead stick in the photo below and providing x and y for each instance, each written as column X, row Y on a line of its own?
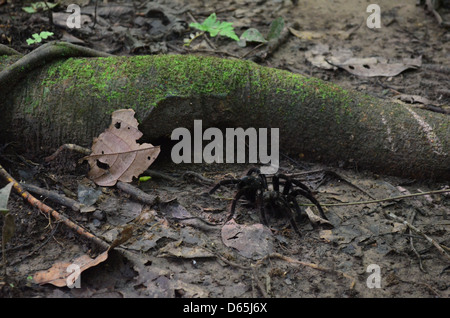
column 85, row 151
column 137, row 193
column 53, row 196
column 311, row 265
column 382, row 200
column 48, row 210
column 415, row 229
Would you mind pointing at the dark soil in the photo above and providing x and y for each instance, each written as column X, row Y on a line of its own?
column 177, row 244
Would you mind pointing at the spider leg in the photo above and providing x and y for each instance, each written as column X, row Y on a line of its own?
column 263, row 181
column 287, row 184
column 301, row 185
column 287, row 187
column 253, row 170
column 262, row 210
column 276, row 183
column 299, row 212
column 294, row 226
column 308, row 195
column 233, row 204
column 223, row 182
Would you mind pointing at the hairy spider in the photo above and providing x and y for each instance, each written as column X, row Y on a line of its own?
column 254, row 187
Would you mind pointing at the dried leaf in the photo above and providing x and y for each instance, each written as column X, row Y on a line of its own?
column 116, row 156
column 375, row 67
column 61, row 275
column 315, row 218
column 251, row 241
column 317, row 54
column 4, row 196
column 306, row 35
column 412, row 99
column 177, row 250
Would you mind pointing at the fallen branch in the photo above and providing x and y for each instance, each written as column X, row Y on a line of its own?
column 51, row 212
column 289, row 260
column 311, row 265
column 418, row 231
column 73, row 147
column 381, row 200
column 53, row 196
column 137, row 193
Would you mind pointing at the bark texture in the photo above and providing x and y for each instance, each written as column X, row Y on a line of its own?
column 71, row 100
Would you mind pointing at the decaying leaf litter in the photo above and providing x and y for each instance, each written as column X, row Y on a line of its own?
column 185, row 253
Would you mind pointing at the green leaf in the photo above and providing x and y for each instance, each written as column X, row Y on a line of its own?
column 46, row 34
column 144, row 178
column 251, row 35
column 39, row 37
column 39, row 6
column 214, row 27
column 29, row 10
column 211, row 21
column 276, row 27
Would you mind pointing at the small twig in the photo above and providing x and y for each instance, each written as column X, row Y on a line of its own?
column 34, row 250
column 430, row 7
column 415, row 229
column 50, row 14
column 287, row 259
column 53, row 196
column 311, row 265
column 226, row 261
column 434, row 291
column 382, row 200
column 196, row 176
column 252, row 50
column 205, row 36
column 411, row 243
column 258, row 283
column 95, row 14
column 50, row 211
column 161, row 175
column 336, row 175
column 137, row 193
column 73, row 147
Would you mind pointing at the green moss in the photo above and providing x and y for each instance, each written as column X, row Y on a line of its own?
column 114, row 79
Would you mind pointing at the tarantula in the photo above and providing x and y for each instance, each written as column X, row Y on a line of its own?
column 254, row 187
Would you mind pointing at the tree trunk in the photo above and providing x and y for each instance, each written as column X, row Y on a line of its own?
column 71, row 100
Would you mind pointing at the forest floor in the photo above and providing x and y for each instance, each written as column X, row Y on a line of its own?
column 180, row 246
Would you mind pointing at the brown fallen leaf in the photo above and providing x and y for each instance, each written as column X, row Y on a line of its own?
column 315, row 218
column 63, row 274
column 306, row 34
column 252, row 241
column 116, row 156
column 375, row 67
column 412, row 99
column 177, row 250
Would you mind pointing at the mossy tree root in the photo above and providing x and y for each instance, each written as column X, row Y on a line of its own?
column 70, row 101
